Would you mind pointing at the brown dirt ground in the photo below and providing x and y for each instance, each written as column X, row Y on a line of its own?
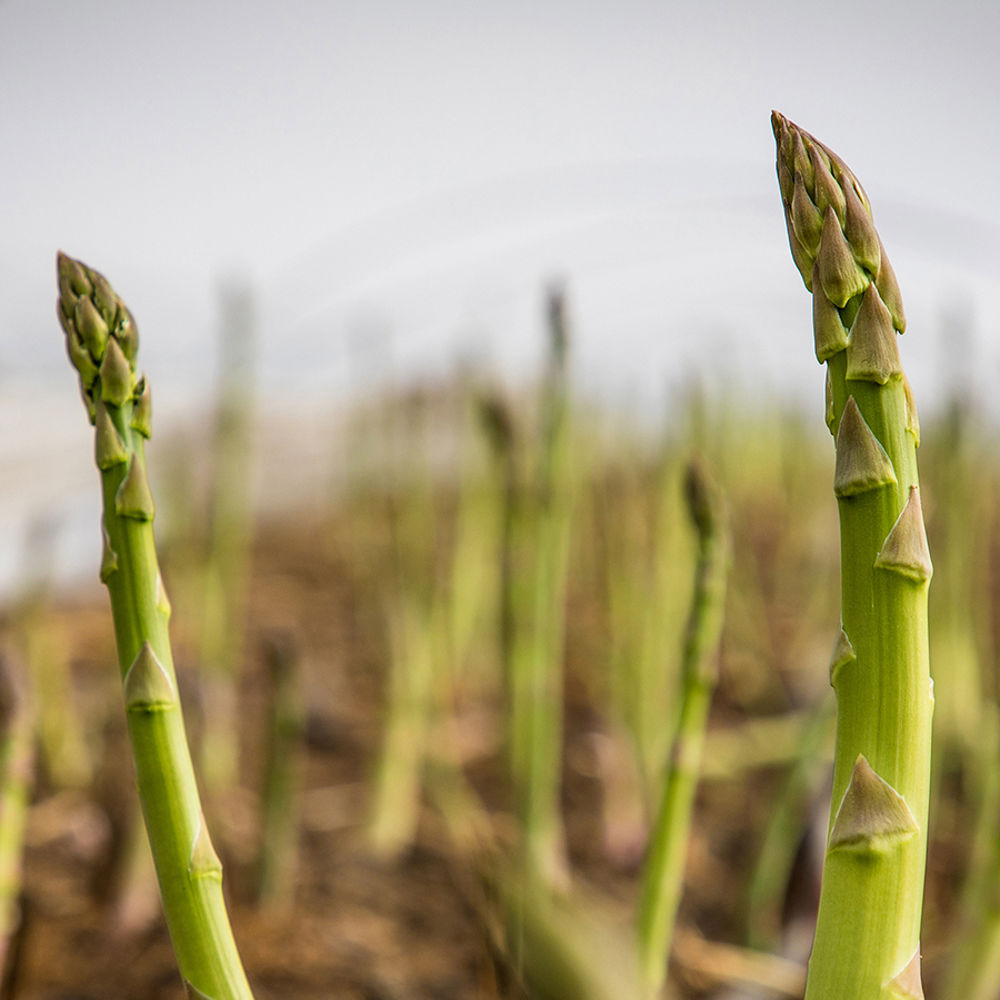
column 357, row 927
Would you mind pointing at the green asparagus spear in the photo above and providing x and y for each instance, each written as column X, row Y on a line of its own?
column 867, row 936
column 102, row 342
column 277, row 862
column 17, row 760
column 662, row 875
column 227, row 560
column 542, row 530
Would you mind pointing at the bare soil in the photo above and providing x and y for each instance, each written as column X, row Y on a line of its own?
column 356, row 926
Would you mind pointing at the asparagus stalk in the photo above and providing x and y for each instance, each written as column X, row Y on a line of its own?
column 416, row 634
column 867, row 935
column 663, row 872
column 540, row 536
column 408, row 714
column 230, row 534
column 102, row 342
column 473, row 580
column 17, row 759
column 497, row 422
column 649, row 585
column 282, row 778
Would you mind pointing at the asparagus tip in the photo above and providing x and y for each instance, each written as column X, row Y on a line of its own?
column 831, row 233
column 704, row 499
column 841, row 277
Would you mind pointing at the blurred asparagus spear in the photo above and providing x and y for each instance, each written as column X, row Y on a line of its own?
column 663, row 872
column 540, row 525
column 227, row 560
column 277, row 862
column 17, row 760
column 415, row 625
column 102, row 342
column 867, row 936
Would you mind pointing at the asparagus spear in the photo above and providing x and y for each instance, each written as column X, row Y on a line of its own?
column 542, row 526
column 663, row 872
column 277, row 862
column 867, row 936
column 17, row 760
column 227, row 560
column 102, row 342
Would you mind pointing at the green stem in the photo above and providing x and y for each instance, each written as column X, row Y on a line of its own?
column 280, row 796
column 227, row 560
column 867, row 934
column 663, row 872
column 473, row 579
column 414, row 612
column 408, row 714
column 102, row 343
column 17, row 759
column 541, row 544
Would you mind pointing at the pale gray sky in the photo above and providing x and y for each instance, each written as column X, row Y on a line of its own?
column 424, row 168
column 427, row 166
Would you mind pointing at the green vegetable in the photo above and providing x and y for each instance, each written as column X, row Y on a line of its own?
column 280, row 794
column 663, row 873
column 540, row 527
column 17, row 759
column 230, row 532
column 867, row 937
column 102, row 342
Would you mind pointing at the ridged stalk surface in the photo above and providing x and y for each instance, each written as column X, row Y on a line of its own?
column 102, row 342
column 867, row 936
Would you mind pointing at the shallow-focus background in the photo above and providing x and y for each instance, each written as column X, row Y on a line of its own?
column 351, row 236
column 397, row 183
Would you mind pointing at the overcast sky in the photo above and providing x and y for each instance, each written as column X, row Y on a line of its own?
column 414, row 173
column 422, row 169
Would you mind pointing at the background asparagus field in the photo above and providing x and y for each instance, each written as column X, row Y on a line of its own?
column 396, row 816
column 493, row 492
